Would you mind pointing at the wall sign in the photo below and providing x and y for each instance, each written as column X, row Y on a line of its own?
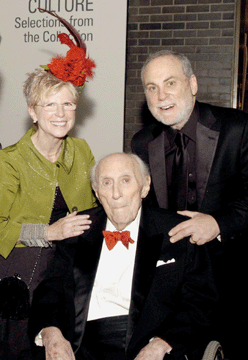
column 29, row 39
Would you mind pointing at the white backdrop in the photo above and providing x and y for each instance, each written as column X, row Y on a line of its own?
column 29, row 39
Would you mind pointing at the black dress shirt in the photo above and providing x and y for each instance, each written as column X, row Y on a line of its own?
column 189, row 130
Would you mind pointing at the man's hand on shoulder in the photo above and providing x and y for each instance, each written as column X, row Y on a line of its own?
column 56, row 346
column 155, row 350
column 201, row 228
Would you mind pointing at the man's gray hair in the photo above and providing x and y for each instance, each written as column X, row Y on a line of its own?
column 141, row 164
column 186, row 65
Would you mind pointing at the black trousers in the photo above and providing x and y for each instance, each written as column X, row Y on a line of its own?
column 104, row 339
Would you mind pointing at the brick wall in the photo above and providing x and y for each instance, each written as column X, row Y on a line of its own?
column 201, row 29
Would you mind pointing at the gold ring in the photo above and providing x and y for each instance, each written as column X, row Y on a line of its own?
column 191, row 238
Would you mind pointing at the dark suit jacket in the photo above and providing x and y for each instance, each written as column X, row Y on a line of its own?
column 222, row 191
column 171, row 301
column 221, row 165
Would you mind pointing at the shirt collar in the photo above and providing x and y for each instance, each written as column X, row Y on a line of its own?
column 189, row 128
column 39, row 163
column 133, row 227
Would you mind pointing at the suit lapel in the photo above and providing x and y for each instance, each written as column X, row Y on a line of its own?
column 206, row 144
column 148, row 250
column 85, row 265
column 156, row 150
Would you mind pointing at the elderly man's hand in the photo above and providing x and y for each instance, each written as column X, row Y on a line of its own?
column 155, row 350
column 56, row 346
column 201, row 228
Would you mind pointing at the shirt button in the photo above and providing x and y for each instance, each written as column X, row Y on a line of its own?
column 74, row 208
column 190, row 175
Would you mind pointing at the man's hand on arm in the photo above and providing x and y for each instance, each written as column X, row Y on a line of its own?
column 56, row 346
column 154, row 350
column 202, row 228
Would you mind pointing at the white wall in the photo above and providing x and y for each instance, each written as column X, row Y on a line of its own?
column 29, row 39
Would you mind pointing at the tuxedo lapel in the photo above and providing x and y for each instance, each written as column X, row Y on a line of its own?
column 148, row 250
column 85, row 265
column 206, row 144
column 156, row 150
column 99, row 220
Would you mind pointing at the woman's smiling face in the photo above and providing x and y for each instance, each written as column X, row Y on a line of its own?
column 54, row 123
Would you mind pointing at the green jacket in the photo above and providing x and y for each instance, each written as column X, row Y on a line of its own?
column 28, row 182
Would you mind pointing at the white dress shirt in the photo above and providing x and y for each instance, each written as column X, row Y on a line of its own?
column 111, row 292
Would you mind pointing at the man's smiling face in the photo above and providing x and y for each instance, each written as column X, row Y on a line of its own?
column 170, row 94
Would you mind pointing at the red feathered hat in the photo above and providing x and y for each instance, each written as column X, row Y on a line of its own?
column 75, row 67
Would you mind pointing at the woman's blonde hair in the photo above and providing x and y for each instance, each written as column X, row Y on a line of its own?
column 40, row 83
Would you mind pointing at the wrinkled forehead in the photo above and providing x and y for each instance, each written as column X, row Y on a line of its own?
column 117, row 166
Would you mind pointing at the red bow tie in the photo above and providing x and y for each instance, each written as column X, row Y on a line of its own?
column 111, row 238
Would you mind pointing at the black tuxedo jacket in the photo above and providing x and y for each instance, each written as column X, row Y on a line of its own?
column 172, row 300
column 221, row 166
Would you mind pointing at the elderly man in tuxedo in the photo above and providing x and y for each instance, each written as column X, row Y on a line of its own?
column 204, row 176
column 135, row 295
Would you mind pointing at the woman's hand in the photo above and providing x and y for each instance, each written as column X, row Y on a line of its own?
column 68, row 226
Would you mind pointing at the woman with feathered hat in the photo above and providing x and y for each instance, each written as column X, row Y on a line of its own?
column 44, row 182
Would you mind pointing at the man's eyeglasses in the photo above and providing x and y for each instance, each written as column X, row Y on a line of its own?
column 53, row 107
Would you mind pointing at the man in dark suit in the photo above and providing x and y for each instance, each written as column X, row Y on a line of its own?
column 214, row 194
column 138, row 298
